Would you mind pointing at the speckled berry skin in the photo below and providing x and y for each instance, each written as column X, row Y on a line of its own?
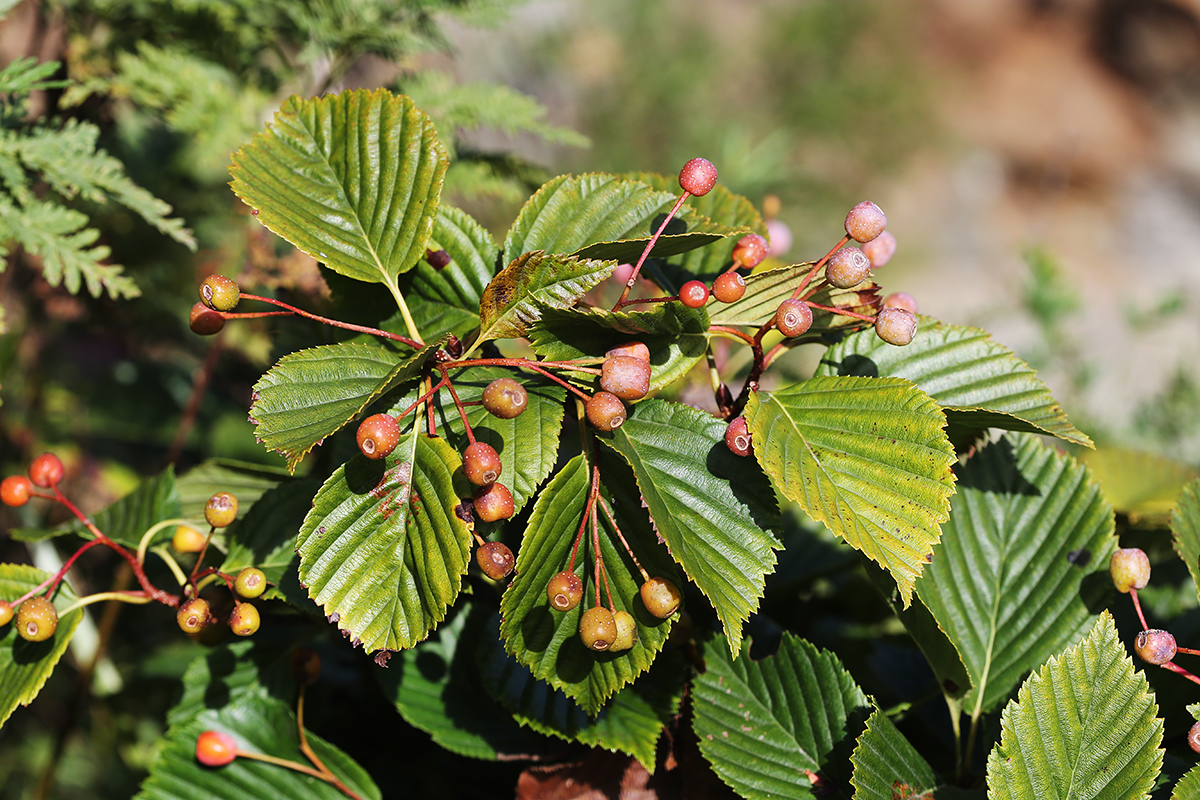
column 605, row 411
column 493, row 502
column 221, row 510
column 378, row 436
column 896, row 326
column 505, row 398
column 750, row 250
column 481, row 463
column 865, row 221
column 1154, row 646
column 880, row 249
column 626, row 377
column 495, row 559
column 1129, row 568
column 193, row 616
column 729, row 287
column 693, row 294
column 660, row 597
column 793, row 318
column 250, row 583
column 220, row 293
column 37, row 619
column 847, row 267
column 737, row 437
column 564, row 591
column 597, row 628
column 627, row 634
column 630, row 349
column 698, row 177
column 244, row 620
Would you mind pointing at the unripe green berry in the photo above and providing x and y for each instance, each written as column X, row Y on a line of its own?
column 219, row 293
column 597, row 628
column 244, row 619
column 895, row 326
column 693, row 294
column 865, row 221
column 193, row 616
column 215, row 749
column 793, row 318
column 737, row 437
column 204, row 321
column 605, row 411
column 626, row 631
column 6, row 613
column 37, row 619
column 630, row 349
column 729, row 287
column 481, row 463
column 221, row 510
column 880, row 249
column 493, row 502
column 847, row 267
column 698, row 177
column 505, row 398
column 15, row 490
column 901, row 300
column 661, row 597
column 564, row 591
column 750, row 250
column 626, row 377
column 1154, row 646
column 495, row 559
column 187, row 539
column 250, row 583
column 46, row 470
column 1130, row 569
column 378, row 436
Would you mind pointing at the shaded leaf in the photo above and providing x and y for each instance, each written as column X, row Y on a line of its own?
column 1138, row 483
column 247, row 481
column 265, row 537
column 1185, row 530
column 126, row 520
column 531, row 283
column 887, row 767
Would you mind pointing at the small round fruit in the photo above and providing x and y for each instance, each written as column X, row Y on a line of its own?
column 438, row 259
column 1193, row 737
column 605, row 411
column 244, row 619
column 597, row 628
column 847, row 267
column 1130, row 569
column 505, row 398
column 626, row 377
column 378, row 435
column 901, row 300
column 495, row 559
column 37, row 619
column 693, row 294
column 564, row 591
column 630, row 349
column 305, row 665
column 46, row 470
column 793, row 318
column 626, row 631
column 187, row 539
column 729, row 287
column 493, row 503
column 750, row 250
column 698, row 177
column 219, row 293
column 780, row 237
column 896, row 326
column 15, row 490
column 880, row 249
column 204, row 321
column 481, row 463
column 1154, row 646
column 865, row 221
column 737, row 437
column 660, row 596
column 250, row 583
column 221, row 510
column 6, row 613
column 193, row 616
column 215, row 749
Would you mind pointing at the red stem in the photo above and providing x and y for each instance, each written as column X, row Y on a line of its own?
column 462, row 412
column 1138, row 606
column 1180, row 670
column 603, row 569
column 336, row 323
column 612, row 520
column 646, row 253
column 745, row 337
column 818, row 265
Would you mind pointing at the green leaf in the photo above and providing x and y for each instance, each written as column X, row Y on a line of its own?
column 1022, row 561
column 382, row 547
column 531, row 283
column 311, row 394
column 247, row 481
column 24, row 75
column 764, row 726
column 546, row 640
column 26, row 666
column 710, row 509
column 1140, row 484
column 265, row 536
column 352, row 179
column 766, row 290
column 979, row 382
column 631, row 722
column 125, row 521
column 1188, row 787
column 883, row 758
column 866, row 456
column 677, row 336
column 1085, row 725
column 1185, row 530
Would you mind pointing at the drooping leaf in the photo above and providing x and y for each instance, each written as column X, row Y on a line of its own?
column 1085, row 725
column 531, row 283
column 769, row 727
column 265, row 537
column 979, row 382
column 26, row 666
column 1140, row 484
column 887, row 766
column 125, row 521
column 382, row 547
column 546, row 640
column 712, row 511
column 1185, row 530
column 311, row 394
column 866, row 456
column 352, row 179
column 676, row 336
column 1021, row 563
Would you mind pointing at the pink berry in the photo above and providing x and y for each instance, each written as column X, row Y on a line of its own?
column 625, row 376
column 865, row 221
column 793, row 318
column 698, row 177
column 901, row 300
column 1155, row 646
column 896, row 326
column 737, row 437
column 847, row 267
column 880, row 249
column 630, row 349
column 780, row 237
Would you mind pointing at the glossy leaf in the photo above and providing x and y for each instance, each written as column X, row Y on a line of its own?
column 868, row 457
column 311, row 394
column 980, row 382
column 352, row 179
column 382, row 547
column 712, row 511
column 26, row 666
column 531, row 283
column 1022, row 561
column 1185, row 530
column 768, row 727
column 887, row 766
column 1138, row 483
column 1084, row 725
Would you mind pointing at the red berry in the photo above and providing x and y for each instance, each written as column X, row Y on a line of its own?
column 215, row 749
column 204, row 321
column 378, row 435
column 693, row 294
column 729, row 287
column 660, row 596
column 46, row 470
column 901, row 300
column 244, row 619
column 847, row 267
column 220, row 293
column 750, row 250
column 495, row 559
column 1155, row 646
column 626, row 377
column 597, row 628
column 630, row 349
column 564, row 591
column 896, row 326
column 1129, row 568
column 494, row 502
column 698, row 177
column 221, row 510
column 880, row 249
column 605, row 411
column 505, row 398
column 37, row 619
column 737, row 437
column 15, row 490
column 793, row 318
column 481, row 463
column 865, row 221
